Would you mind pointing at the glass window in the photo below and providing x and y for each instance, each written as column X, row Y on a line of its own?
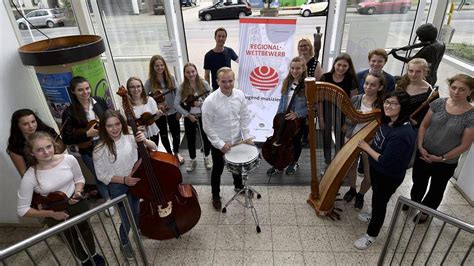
column 379, row 24
column 63, row 26
column 134, row 34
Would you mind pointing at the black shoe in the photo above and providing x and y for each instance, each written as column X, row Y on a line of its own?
column 359, row 201
column 98, row 260
column 405, row 207
column 424, row 217
column 216, row 203
column 272, row 171
column 350, row 194
column 238, row 188
column 291, row 169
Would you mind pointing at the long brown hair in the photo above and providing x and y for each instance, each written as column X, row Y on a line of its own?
column 105, row 139
column 404, row 81
column 77, row 110
column 380, row 93
column 154, row 82
column 143, row 94
column 289, row 78
column 187, row 90
column 351, row 71
column 30, row 159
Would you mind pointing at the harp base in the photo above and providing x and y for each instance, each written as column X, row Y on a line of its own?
column 315, row 204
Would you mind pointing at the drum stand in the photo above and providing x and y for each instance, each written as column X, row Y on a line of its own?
column 248, row 195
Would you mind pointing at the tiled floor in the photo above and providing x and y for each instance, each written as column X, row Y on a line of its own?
column 291, row 234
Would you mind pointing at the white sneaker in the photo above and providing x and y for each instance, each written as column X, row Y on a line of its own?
column 191, row 165
column 364, row 217
column 180, row 158
column 208, row 162
column 364, row 242
column 110, row 212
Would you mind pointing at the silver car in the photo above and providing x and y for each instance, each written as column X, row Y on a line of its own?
column 43, row 17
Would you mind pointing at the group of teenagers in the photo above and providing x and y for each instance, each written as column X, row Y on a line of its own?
column 428, row 137
column 106, row 145
column 219, row 116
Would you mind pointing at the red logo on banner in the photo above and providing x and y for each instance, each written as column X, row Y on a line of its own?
column 264, row 78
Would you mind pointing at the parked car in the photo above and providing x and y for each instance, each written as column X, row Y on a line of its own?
column 188, row 2
column 223, row 10
column 370, row 7
column 43, row 17
column 314, row 7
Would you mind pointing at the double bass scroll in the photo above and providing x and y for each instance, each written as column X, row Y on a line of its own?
column 323, row 194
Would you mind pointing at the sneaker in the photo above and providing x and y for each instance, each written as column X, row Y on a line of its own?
column 272, row 171
column 359, row 201
column 191, row 165
column 180, row 158
column 364, row 242
column 127, row 251
column 364, row 216
column 350, row 194
column 291, row 169
column 110, row 212
column 208, row 162
column 216, row 203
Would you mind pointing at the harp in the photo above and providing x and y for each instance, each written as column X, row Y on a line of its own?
column 323, row 193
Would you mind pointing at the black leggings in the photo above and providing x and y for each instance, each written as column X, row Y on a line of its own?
column 383, row 187
column 191, row 129
column 172, row 122
column 71, row 234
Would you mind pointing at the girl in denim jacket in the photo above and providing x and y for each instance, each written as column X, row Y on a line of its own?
column 293, row 83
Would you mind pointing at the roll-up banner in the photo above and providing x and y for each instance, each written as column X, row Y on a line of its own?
column 266, row 49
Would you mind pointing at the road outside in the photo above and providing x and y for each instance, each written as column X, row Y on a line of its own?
column 135, row 38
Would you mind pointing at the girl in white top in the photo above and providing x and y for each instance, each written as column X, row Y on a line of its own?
column 115, row 157
column 50, row 172
column 144, row 104
column 372, row 98
column 193, row 86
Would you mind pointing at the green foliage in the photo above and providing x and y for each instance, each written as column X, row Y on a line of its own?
column 462, row 50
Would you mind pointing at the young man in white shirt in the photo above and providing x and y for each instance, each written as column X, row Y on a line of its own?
column 226, row 120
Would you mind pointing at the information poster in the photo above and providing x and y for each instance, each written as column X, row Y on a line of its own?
column 55, row 87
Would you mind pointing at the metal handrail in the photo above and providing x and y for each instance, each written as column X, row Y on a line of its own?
column 432, row 213
column 41, row 236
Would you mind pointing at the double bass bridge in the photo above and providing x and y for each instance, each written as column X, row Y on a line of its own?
column 164, row 212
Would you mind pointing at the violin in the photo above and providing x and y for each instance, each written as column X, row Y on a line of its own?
column 277, row 150
column 189, row 101
column 56, row 201
column 91, row 124
column 147, row 119
column 158, row 96
column 168, row 207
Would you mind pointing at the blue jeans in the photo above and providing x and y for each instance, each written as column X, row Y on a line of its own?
column 115, row 191
column 101, row 187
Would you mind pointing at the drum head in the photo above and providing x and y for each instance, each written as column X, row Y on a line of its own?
column 241, row 153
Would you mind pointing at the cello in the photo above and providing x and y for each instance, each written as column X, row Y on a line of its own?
column 277, row 150
column 168, row 207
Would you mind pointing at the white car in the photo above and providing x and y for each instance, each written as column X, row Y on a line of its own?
column 44, row 18
column 314, row 7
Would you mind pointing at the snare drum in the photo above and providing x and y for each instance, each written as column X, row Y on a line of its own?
column 242, row 157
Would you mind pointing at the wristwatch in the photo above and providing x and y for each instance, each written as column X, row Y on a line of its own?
column 443, row 158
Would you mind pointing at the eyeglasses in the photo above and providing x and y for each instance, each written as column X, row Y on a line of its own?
column 389, row 103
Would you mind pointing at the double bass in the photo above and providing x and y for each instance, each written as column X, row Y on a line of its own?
column 277, row 150
column 168, row 207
